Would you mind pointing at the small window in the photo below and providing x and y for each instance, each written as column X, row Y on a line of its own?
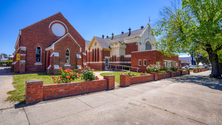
column 158, row 63
column 148, row 46
column 139, row 62
column 168, row 64
column 38, row 54
column 84, row 53
column 95, row 43
column 67, row 56
column 165, row 64
column 144, row 62
column 78, row 56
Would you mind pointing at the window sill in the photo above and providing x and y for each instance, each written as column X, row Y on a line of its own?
column 38, row 63
column 67, row 64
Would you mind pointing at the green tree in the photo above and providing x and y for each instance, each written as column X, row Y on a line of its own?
column 194, row 26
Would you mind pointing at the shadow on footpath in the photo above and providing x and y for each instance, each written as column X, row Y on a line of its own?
column 212, row 83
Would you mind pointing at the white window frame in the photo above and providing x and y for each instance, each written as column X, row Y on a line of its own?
column 144, row 63
column 40, row 62
column 67, row 64
column 158, row 63
column 139, row 62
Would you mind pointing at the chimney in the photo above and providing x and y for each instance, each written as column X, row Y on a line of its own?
column 107, row 36
column 129, row 32
column 112, row 36
column 142, row 27
column 103, row 36
column 122, row 32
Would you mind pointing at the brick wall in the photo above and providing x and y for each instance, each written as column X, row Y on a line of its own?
column 151, row 57
column 130, row 47
column 36, row 91
column 140, row 79
column 163, row 75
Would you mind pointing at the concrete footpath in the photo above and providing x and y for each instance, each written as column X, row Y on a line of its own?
column 190, row 99
column 5, row 86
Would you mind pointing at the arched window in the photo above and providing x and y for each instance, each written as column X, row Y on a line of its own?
column 67, row 56
column 38, row 54
column 148, row 46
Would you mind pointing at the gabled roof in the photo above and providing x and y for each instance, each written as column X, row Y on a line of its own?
column 104, row 43
column 87, row 43
column 52, row 45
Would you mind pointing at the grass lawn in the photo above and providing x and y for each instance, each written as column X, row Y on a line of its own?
column 117, row 75
column 19, row 84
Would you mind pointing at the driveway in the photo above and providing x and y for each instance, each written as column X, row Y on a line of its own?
column 190, row 99
column 5, row 86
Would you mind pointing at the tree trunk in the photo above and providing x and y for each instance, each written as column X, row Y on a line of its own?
column 213, row 57
column 215, row 72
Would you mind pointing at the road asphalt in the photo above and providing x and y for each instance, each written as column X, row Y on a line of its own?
column 189, row 99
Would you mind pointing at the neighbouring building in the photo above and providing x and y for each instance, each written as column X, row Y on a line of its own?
column 47, row 45
column 135, row 48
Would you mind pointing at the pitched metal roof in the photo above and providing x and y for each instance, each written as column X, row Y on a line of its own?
column 87, row 43
column 104, row 43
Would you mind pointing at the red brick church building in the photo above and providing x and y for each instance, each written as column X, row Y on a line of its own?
column 47, row 45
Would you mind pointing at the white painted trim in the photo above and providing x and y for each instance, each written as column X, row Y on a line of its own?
column 143, row 62
column 23, row 48
column 60, row 22
column 78, row 56
column 107, row 57
column 49, row 67
column 139, row 63
column 14, row 63
column 56, row 66
column 79, row 66
column 127, row 55
column 56, row 54
column 38, row 63
column 67, row 64
column 48, row 48
column 143, row 51
column 22, row 54
column 83, row 53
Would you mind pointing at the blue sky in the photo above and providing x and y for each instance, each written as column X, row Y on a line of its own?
column 89, row 17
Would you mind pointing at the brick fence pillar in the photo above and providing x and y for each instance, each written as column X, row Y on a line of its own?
column 110, row 82
column 188, row 71
column 33, row 91
column 171, row 73
column 155, row 75
column 124, row 80
column 181, row 72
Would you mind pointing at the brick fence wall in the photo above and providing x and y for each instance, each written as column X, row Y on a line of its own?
column 36, row 91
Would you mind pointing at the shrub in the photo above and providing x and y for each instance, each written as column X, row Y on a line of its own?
column 153, row 68
column 163, row 69
column 173, row 68
column 88, row 75
column 9, row 62
column 143, row 73
column 128, row 73
column 195, row 68
column 66, row 76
